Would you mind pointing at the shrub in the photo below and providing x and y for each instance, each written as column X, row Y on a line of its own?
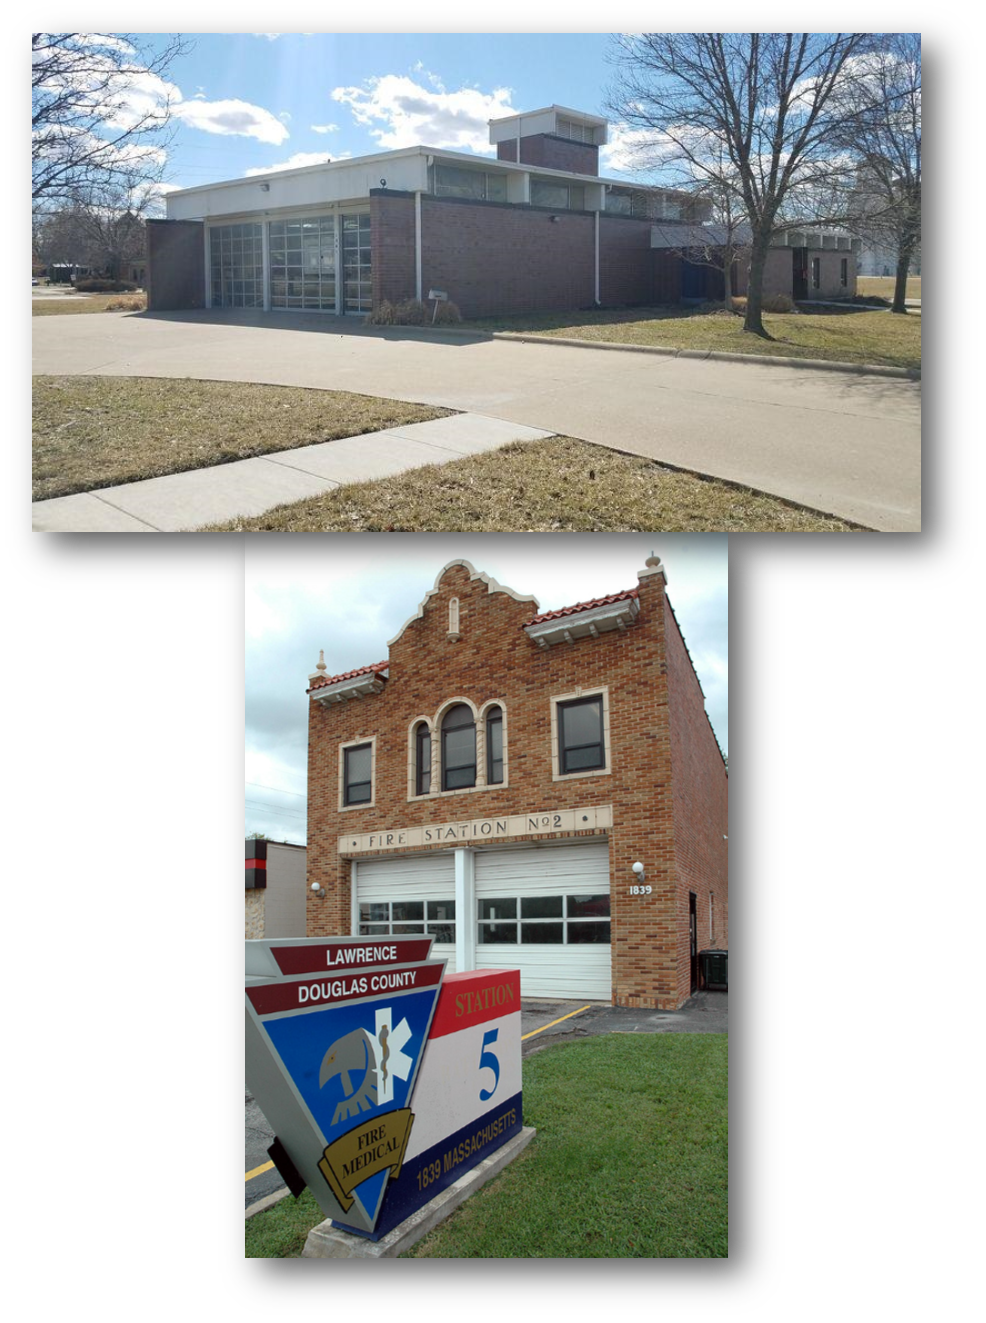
column 382, row 314
column 447, row 315
column 412, row 312
column 129, row 303
column 778, row 303
column 97, row 286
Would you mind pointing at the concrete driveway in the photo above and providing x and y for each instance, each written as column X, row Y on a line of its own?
column 839, row 442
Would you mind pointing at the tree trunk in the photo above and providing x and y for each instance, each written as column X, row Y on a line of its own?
column 754, row 294
column 900, row 287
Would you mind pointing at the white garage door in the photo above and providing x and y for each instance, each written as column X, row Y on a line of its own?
column 409, row 894
column 546, row 912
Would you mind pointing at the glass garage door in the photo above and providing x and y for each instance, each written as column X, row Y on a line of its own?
column 303, row 264
column 356, row 264
column 237, row 266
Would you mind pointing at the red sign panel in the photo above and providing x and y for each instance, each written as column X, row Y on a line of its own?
column 269, row 998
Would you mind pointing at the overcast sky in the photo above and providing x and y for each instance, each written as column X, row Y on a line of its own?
column 351, row 595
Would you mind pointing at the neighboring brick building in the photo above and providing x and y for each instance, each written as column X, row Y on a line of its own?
column 496, row 779
column 536, row 229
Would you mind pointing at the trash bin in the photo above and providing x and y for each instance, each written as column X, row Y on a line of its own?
column 714, row 969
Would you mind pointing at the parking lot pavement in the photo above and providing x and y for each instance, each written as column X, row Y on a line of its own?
column 546, row 1022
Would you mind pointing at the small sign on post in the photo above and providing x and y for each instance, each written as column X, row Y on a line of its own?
column 439, row 296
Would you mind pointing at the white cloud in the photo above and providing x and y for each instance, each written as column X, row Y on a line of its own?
column 402, row 113
column 232, row 117
column 296, row 162
column 324, row 128
column 631, row 151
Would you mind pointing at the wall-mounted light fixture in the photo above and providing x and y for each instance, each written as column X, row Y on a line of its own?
column 383, row 183
column 265, row 188
column 638, row 869
column 553, row 219
column 319, row 890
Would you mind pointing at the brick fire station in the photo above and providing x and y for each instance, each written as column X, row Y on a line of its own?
column 535, row 791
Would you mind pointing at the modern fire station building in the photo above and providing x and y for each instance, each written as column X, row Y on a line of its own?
column 535, row 791
column 535, row 229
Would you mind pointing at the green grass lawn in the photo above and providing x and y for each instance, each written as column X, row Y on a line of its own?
column 883, row 286
column 630, row 1161
column 92, row 432
column 842, row 337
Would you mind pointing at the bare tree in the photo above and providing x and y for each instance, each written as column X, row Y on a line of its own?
column 765, row 102
column 100, row 109
column 881, row 127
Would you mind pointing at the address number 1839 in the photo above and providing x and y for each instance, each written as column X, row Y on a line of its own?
column 640, row 891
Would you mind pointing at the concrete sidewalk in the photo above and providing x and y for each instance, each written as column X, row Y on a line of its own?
column 182, row 502
column 844, row 443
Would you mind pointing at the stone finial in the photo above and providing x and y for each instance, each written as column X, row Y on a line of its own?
column 653, row 565
column 321, row 661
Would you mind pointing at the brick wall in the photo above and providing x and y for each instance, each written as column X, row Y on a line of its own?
column 551, row 152
column 699, row 803
column 175, row 265
column 626, row 270
column 494, row 660
column 501, row 260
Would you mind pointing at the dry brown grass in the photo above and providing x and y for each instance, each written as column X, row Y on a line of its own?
column 92, row 432
column 554, row 486
column 76, row 303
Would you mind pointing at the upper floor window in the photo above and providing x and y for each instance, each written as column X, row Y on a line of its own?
column 568, row 128
column 422, row 760
column 458, row 748
column 628, row 202
column 581, row 743
column 557, row 194
column 358, row 774
column 494, row 746
column 453, row 181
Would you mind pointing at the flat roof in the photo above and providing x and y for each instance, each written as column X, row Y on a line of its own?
column 558, row 110
column 484, row 162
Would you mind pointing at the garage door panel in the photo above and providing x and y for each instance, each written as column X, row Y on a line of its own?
column 410, row 877
column 580, row 969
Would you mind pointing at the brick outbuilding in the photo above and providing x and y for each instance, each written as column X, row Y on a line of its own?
column 541, row 791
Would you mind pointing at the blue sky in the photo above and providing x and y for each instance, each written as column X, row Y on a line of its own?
column 255, row 101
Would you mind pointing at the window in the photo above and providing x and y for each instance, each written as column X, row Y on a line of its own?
column 387, row 918
column 358, row 776
column 458, row 748
column 303, row 264
column 816, row 273
column 236, row 266
column 544, row 920
column 422, row 760
column 384, row 918
column 568, row 128
column 494, row 746
column 844, row 272
column 559, row 195
column 627, row 202
column 581, row 746
column 452, row 181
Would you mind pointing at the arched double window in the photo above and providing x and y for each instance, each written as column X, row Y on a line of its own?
column 461, row 749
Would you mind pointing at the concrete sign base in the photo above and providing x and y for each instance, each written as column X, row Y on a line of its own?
column 327, row 1241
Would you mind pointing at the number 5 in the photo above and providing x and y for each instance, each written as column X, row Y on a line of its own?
column 489, row 1061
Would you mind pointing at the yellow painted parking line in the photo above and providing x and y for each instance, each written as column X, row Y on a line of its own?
column 558, row 1021
column 259, row 1171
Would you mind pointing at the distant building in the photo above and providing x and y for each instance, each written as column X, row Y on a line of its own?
column 275, row 889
